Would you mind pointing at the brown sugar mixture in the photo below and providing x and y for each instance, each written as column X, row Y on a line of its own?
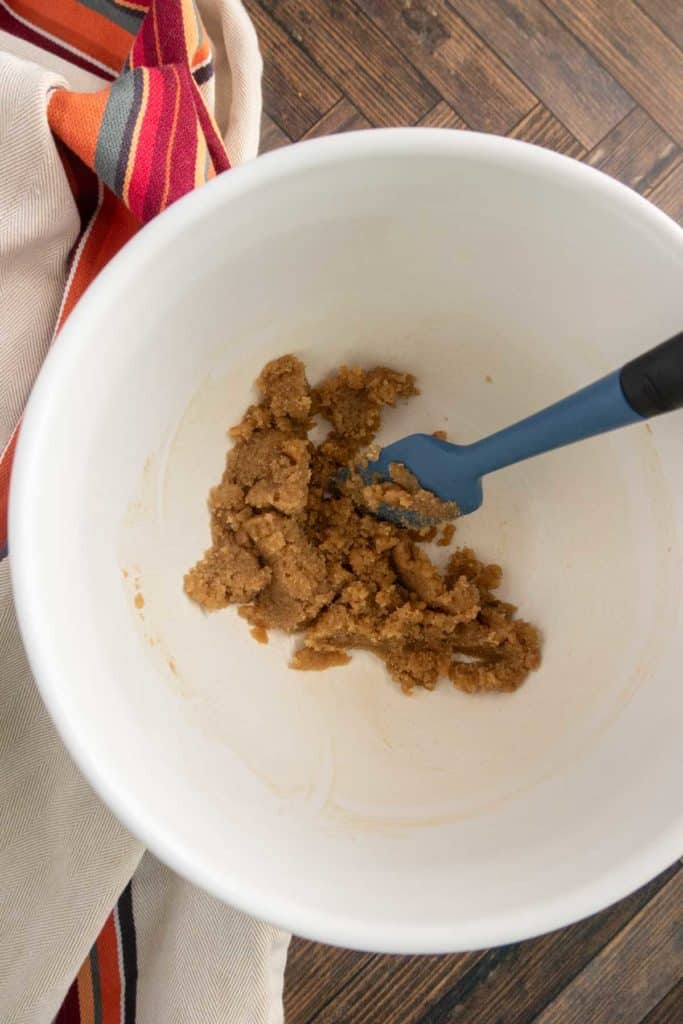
column 301, row 552
column 399, row 498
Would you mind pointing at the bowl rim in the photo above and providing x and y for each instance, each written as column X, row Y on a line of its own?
column 263, row 903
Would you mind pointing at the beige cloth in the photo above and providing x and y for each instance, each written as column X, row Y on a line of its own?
column 238, row 67
column 39, row 224
column 64, row 858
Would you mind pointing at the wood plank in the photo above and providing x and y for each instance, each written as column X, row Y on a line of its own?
column 542, row 128
column 342, row 118
column 552, row 63
column 395, row 989
column 668, row 195
column 314, row 976
column 296, row 93
column 635, row 50
column 513, row 984
column 633, row 972
column 636, row 152
column 669, row 1010
column 442, row 116
column 668, row 14
column 272, row 136
column 372, row 73
column 466, row 72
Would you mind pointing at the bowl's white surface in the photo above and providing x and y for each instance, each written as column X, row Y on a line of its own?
column 330, row 803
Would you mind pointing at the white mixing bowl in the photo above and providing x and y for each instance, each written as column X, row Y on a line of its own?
column 330, row 803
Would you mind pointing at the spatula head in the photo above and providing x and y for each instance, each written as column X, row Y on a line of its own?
column 445, row 469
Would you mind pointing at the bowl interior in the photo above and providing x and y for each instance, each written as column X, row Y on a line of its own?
column 503, row 277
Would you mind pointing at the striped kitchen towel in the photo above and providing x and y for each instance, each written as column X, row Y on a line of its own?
column 106, row 117
column 139, row 142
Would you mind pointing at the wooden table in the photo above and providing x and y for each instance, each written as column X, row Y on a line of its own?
column 602, row 81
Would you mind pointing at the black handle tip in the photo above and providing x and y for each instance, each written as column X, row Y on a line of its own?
column 653, row 383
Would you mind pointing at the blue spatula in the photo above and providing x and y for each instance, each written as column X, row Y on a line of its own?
column 647, row 386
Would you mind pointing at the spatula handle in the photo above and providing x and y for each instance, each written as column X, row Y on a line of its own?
column 648, row 385
column 653, row 383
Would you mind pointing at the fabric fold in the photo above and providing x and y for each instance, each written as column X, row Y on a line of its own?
column 92, row 927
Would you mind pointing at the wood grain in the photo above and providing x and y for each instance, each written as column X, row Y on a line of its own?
column 668, row 195
column 669, row 1010
column 644, row 959
column 335, row 34
column 635, row 50
column 342, row 118
column 555, row 66
column 668, row 14
column 396, row 990
column 515, row 983
column 315, row 974
column 596, row 80
column 543, row 128
column 272, row 136
column 637, row 152
column 511, row 985
column 442, row 116
column 466, row 73
column 295, row 91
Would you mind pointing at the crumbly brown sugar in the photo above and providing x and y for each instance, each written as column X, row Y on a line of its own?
column 299, row 553
column 400, row 494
